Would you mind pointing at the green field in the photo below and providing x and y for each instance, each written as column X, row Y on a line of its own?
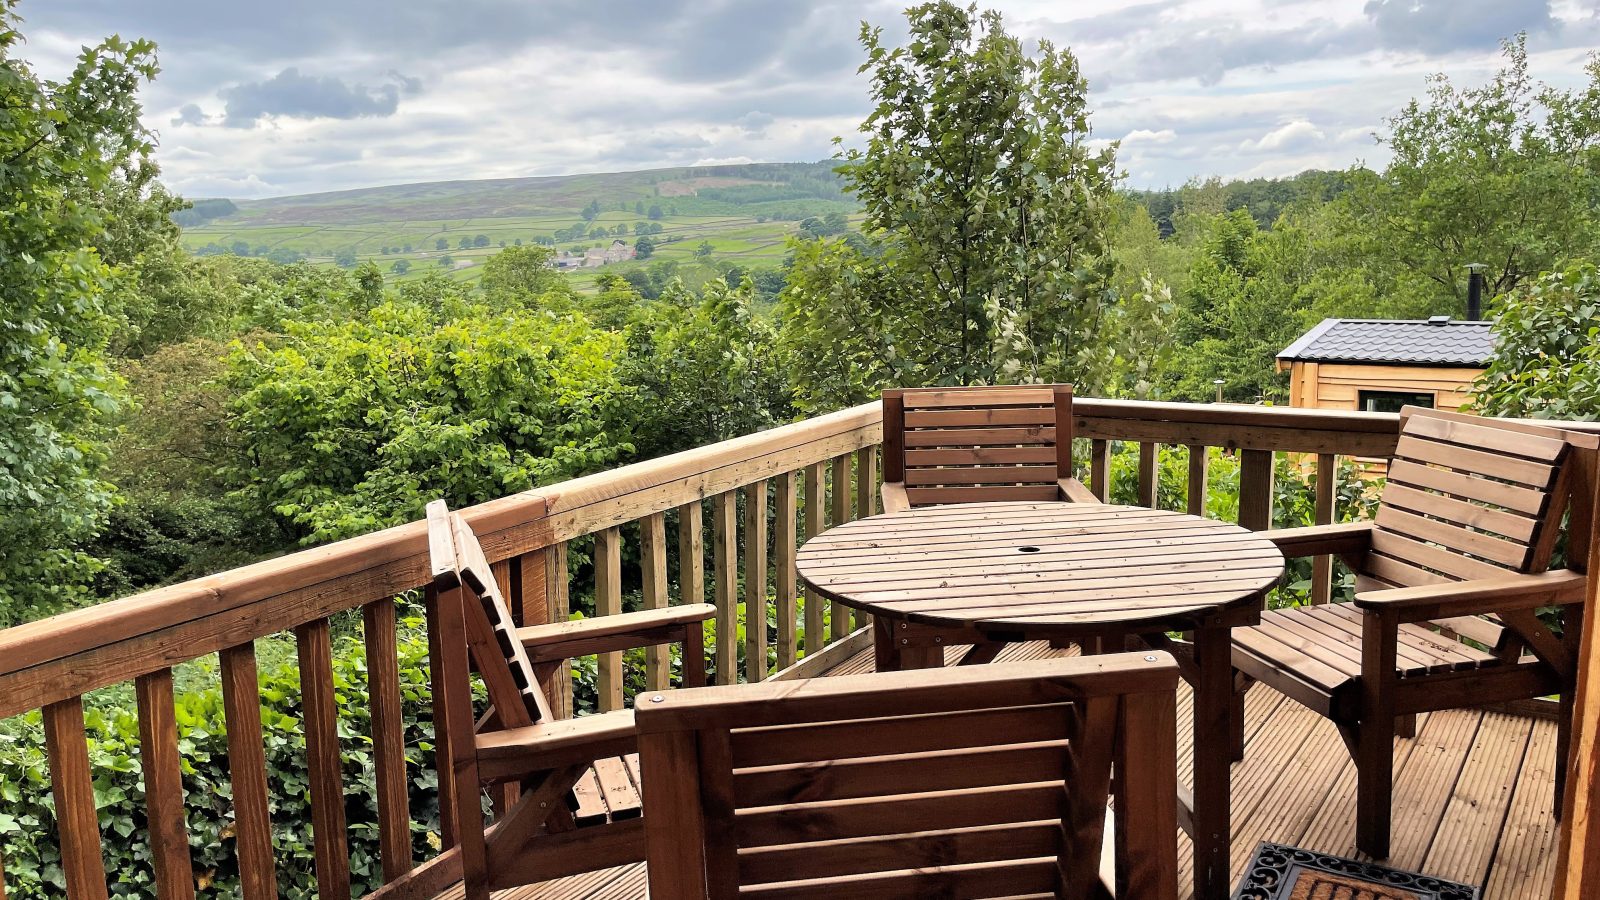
column 746, row 214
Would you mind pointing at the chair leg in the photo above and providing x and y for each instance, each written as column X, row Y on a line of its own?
column 1565, row 713
column 1241, row 684
column 1406, row 726
column 1374, row 786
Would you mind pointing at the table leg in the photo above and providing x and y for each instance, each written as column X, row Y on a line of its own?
column 885, row 646
column 1213, row 746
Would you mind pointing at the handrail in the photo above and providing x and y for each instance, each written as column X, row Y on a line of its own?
column 82, row 650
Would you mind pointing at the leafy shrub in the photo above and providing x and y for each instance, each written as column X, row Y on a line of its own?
column 27, row 813
column 1546, row 361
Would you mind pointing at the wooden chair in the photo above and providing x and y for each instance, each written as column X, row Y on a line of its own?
column 1450, row 576
column 986, row 781
column 973, row 444
column 567, row 790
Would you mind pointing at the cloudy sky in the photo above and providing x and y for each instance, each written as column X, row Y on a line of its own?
column 262, row 99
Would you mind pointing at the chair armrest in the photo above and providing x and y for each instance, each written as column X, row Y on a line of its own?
column 1073, row 491
column 603, row 634
column 1559, row 587
column 894, row 497
column 518, row 752
column 1351, row 539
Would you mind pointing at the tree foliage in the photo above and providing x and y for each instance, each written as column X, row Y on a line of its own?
column 990, row 208
column 1546, row 362
column 64, row 145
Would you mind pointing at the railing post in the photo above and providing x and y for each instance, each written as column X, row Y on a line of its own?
column 557, row 587
column 163, row 787
column 838, row 614
column 1255, row 489
column 725, row 584
column 388, row 738
column 247, row 768
column 1149, row 474
column 1199, row 471
column 330, row 846
column 1100, row 469
column 653, row 563
column 440, row 719
column 1322, row 566
column 72, row 783
column 608, row 602
column 692, row 564
column 755, row 582
column 815, row 639
column 784, row 579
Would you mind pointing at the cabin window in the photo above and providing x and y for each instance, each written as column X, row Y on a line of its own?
column 1392, row 401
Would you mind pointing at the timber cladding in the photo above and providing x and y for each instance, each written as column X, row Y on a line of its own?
column 1338, row 386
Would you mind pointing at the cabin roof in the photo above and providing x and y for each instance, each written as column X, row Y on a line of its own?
column 1439, row 341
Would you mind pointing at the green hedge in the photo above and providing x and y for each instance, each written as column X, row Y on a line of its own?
column 27, row 814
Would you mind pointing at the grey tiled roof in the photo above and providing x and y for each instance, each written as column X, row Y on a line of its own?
column 1413, row 341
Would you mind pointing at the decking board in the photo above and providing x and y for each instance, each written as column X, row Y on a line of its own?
column 1472, row 799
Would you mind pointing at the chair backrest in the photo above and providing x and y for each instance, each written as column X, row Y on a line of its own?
column 968, row 444
column 461, row 574
column 983, row 781
column 1470, row 497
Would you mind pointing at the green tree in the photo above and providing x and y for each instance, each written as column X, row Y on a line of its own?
column 447, row 261
column 346, row 259
column 524, row 276
column 643, row 248
column 990, row 207
column 705, row 249
column 481, row 240
column 592, row 210
column 62, row 144
column 401, row 266
column 638, row 207
column 655, row 211
column 441, row 244
column 1546, row 361
column 354, row 425
column 1504, row 174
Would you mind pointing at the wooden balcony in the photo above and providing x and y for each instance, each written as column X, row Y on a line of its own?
column 1474, row 788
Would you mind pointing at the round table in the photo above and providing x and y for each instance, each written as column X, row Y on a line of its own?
column 983, row 574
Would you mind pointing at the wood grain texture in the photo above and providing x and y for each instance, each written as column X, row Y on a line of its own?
column 755, row 582
column 838, row 615
column 324, row 764
column 72, row 786
column 653, row 571
column 557, row 686
column 784, row 578
column 608, row 602
column 163, row 786
column 725, row 583
column 815, row 635
column 388, row 738
column 247, row 768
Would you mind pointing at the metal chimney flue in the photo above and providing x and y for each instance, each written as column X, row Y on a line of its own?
column 1475, row 291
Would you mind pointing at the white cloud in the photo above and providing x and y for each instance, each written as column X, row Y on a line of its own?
column 1146, row 136
column 1292, row 136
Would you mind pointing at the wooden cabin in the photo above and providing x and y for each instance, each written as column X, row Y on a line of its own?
column 1381, row 365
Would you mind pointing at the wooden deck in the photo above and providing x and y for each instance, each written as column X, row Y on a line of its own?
column 1473, row 797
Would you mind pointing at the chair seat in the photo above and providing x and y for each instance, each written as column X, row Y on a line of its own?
column 608, row 792
column 1313, row 653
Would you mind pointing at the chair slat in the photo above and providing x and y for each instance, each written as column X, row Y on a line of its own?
column 1509, row 525
column 1453, row 537
column 1514, row 498
column 622, row 799
column 847, row 777
column 1478, row 462
column 981, row 437
column 756, row 747
column 1007, row 878
column 904, row 814
column 1401, row 547
column 978, row 396
column 983, row 417
column 982, row 475
column 922, row 495
column 1487, row 437
column 946, row 847
column 982, row 456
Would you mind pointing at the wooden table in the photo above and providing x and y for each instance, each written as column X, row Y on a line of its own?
column 983, row 574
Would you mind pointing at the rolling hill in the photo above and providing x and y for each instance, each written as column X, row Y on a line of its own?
column 744, row 212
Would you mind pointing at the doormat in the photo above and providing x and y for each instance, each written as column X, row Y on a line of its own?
column 1288, row 873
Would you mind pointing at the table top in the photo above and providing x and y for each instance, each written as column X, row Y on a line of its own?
column 1042, row 568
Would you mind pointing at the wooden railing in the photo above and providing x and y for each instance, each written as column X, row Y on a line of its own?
column 794, row 480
